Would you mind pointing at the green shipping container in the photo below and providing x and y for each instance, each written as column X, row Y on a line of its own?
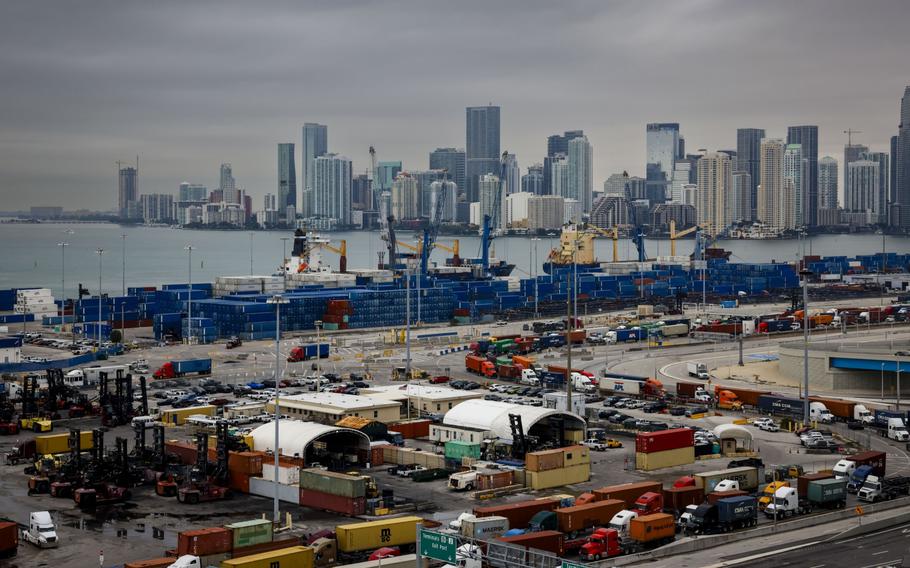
column 503, row 361
column 456, row 449
column 827, row 490
column 247, row 533
column 333, row 483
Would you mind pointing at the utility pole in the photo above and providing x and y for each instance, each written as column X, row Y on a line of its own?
column 569, row 343
column 407, row 333
column 805, row 273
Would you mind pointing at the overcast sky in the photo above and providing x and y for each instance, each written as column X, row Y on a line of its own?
column 188, row 85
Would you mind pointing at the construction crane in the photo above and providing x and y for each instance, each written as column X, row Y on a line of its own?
column 677, row 235
column 850, row 132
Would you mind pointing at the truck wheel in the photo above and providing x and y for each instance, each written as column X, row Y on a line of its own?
column 469, row 487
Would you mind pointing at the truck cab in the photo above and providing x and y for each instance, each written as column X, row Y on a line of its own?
column 41, row 531
column 698, row 370
column 862, row 414
column 582, row 383
column 858, row 478
column 529, row 377
column 786, row 503
column 603, row 543
column 649, row 503
column 621, row 521
column 726, row 485
column 187, row 561
column 897, row 430
column 820, row 413
column 844, row 468
column 768, row 494
column 686, row 517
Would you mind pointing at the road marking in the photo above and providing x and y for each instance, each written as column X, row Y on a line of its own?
column 885, row 563
column 880, row 552
column 736, row 561
column 817, row 566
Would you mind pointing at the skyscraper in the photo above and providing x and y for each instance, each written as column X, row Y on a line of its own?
column 533, row 182
column 559, row 176
column 902, row 167
column 740, row 201
column 851, row 154
column 424, row 179
column 227, row 184
column 127, row 190
column 581, row 172
column 513, row 174
column 892, row 180
column 488, row 188
column 405, row 197
column 715, row 188
column 287, row 176
column 863, row 193
column 361, row 192
column 559, row 143
column 386, row 173
column 807, row 138
column 482, row 146
column 794, row 184
column 446, row 191
column 453, row 161
column 771, row 196
column 827, row 183
column 332, row 188
column 315, row 143
column 748, row 159
column 663, row 146
column 884, row 183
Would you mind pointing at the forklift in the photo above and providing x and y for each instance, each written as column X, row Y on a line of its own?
column 204, row 485
column 8, row 424
column 117, row 402
column 99, row 488
column 30, row 418
column 69, row 475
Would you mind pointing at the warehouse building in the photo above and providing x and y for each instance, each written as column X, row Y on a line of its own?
column 330, row 446
column 329, row 407
column 426, row 399
column 544, row 426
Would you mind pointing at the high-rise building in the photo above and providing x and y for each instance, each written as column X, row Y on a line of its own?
column 901, row 155
column 827, row 183
column 545, row 212
column 227, row 184
column 192, row 192
column 807, row 137
column 748, row 159
column 424, row 179
column 681, row 176
column 314, row 143
column 361, row 192
column 581, row 172
column 771, row 193
column 447, row 191
column 683, row 215
column 270, row 203
column 610, row 211
column 663, row 148
column 405, row 197
column 851, row 154
column 794, row 182
column 453, row 161
column 516, row 209
column 884, row 182
column 489, row 188
column 863, row 193
column 481, row 147
column 740, row 202
column 128, row 190
column 287, row 175
column 332, row 188
column 512, row 173
column 156, row 207
column 386, row 174
column 715, row 188
column 557, row 144
column 617, row 184
column 559, row 176
column 533, row 182
column 892, row 180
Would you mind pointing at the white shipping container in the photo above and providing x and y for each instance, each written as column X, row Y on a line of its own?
column 33, row 292
column 265, row 488
column 286, row 475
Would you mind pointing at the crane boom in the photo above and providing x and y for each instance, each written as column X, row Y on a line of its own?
column 486, row 230
column 387, row 233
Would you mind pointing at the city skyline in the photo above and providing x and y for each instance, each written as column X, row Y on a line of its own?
column 60, row 144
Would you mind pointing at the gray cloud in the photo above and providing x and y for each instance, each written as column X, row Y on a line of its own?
column 189, row 85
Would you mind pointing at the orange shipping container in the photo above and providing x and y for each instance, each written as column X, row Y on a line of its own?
column 495, row 480
column 239, row 481
column 650, row 528
column 203, row 542
column 628, row 492
column 524, row 362
column 377, row 456
column 153, row 563
column 545, row 460
column 411, row 429
column 246, row 462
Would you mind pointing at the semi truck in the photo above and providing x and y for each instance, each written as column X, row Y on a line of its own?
column 725, row 515
column 479, row 365
column 308, row 352
column 645, row 532
column 354, row 542
column 626, row 335
column 698, row 370
column 846, row 467
column 90, row 376
column 774, row 404
column 174, row 369
column 746, row 477
column 877, row 488
column 820, row 413
column 41, row 531
column 828, row 493
column 897, row 430
column 645, row 386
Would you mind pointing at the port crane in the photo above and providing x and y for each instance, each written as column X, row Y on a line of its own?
column 677, row 235
column 386, row 220
column 486, row 229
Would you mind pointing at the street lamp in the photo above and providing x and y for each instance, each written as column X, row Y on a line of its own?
column 100, row 252
column 318, row 325
column 62, row 246
column 805, row 273
column 189, row 299
column 278, row 300
column 407, row 323
column 535, row 240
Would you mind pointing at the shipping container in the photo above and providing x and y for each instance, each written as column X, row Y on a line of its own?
column 333, row 483
column 649, row 442
column 245, row 462
column 716, row 496
column 247, row 533
column 802, row 482
column 775, row 404
column 358, row 537
column 484, row 527
column 152, row 563
column 456, row 449
column 495, row 479
column 678, row 498
column 178, row 416
column 203, row 542
column 746, row 476
column 548, row 541
column 878, row 461
column 545, row 460
column 664, row 459
column 558, row 477
column 519, row 514
column 828, row 491
column 627, row 492
column 293, row 557
column 581, row 517
column 648, row 528
column 266, row 547
column 411, row 429
column 841, row 408
column 745, row 396
column 59, row 443
column 9, row 538
column 687, row 390
column 350, row 506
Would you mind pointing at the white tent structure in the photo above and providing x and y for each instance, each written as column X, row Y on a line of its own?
column 741, row 435
column 310, row 440
column 494, row 416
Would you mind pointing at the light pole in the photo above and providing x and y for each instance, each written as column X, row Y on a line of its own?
column 278, row 300
column 407, row 324
column 100, row 252
column 318, row 325
column 62, row 246
column 189, row 298
column 535, row 240
column 805, row 273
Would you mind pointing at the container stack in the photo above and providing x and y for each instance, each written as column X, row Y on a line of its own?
column 554, row 468
column 335, row 492
column 337, row 314
column 667, row 448
column 164, row 325
column 201, row 330
column 230, row 285
column 36, row 301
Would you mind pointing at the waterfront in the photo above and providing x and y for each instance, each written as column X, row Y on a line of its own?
column 156, row 255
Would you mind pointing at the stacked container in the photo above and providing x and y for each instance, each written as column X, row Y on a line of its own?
column 36, row 301
column 330, row 491
column 667, row 448
column 554, row 468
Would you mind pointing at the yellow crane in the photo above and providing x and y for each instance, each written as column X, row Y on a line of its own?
column 610, row 234
column 418, row 248
column 342, row 252
column 674, row 235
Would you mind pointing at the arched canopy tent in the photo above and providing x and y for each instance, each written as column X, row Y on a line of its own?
column 544, row 424
column 330, row 446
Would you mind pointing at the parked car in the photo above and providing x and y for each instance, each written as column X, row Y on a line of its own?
column 696, row 410
column 439, row 379
column 678, row 411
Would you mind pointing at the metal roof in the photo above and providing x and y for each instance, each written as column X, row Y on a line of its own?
column 494, row 416
column 295, row 435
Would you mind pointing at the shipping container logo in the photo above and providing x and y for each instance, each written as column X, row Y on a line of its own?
column 385, row 535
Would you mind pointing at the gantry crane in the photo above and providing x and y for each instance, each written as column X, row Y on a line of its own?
column 486, row 229
column 386, row 220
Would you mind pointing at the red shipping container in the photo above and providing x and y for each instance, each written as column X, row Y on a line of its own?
column 678, row 498
column 239, row 481
column 495, row 480
column 246, row 462
column 716, row 496
column 183, row 450
column 203, row 542
column 519, row 514
column 9, row 538
column 376, row 456
column 412, row 428
column 351, row 506
column 650, row 442
column 550, row 541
